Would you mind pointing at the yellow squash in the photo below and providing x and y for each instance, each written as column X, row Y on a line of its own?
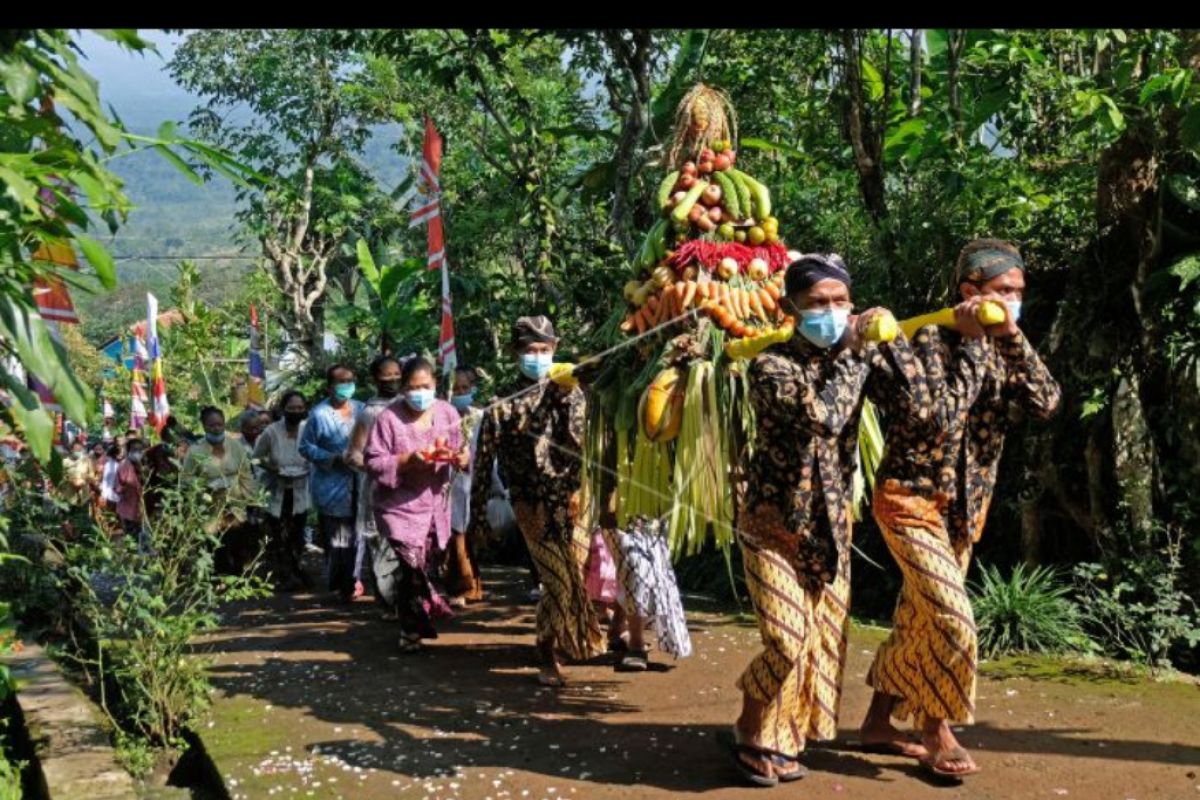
column 661, row 408
column 989, row 314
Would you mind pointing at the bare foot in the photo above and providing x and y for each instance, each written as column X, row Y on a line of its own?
column 887, row 738
column 550, row 675
column 946, row 756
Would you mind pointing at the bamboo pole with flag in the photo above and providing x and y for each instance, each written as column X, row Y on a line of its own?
column 256, row 387
column 427, row 209
column 49, row 290
column 52, row 298
column 137, row 399
column 160, row 408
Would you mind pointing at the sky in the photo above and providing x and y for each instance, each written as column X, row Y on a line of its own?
column 135, row 81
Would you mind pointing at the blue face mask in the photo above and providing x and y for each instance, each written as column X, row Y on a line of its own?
column 215, row 438
column 463, row 401
column 344, row 391
column 824, row 327
column 536, row 366
column 419, row 399
column 1014, row 309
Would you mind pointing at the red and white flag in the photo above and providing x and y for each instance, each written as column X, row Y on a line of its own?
column 428, row 210
column 51, row 297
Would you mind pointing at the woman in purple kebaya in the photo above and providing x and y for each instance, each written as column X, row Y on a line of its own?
column 412, row 447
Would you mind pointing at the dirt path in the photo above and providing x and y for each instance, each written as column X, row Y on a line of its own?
column 316, row 702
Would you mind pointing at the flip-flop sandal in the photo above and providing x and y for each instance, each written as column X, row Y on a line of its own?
column 410, row 643
column 634, row 661
column 788, row 775
column 737, row 749
column 748, row 772
column 942, row 756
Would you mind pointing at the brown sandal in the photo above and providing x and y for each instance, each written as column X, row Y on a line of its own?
column 930, row 764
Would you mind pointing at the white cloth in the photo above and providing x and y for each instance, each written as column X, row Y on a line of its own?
column 282, row 467
column 365, row 512
column 108, row 481
column 647, row 582
column 460, row 484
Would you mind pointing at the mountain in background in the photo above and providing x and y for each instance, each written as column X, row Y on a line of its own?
column 174, row 219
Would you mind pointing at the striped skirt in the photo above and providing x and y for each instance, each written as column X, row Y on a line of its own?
column 928, row 661
column 798, row 675
column 564, row 613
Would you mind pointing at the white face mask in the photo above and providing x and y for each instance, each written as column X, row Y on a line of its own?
column 1014, row 309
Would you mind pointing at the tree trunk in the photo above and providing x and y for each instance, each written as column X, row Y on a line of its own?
column 914, row 72
column 633, row 58
column 954, row 48
column 864, row 138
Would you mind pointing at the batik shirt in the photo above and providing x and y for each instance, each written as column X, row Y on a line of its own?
column 808, row 402
column 536, row 437
column 983, row 384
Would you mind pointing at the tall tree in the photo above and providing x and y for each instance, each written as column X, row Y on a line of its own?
column 291, row 103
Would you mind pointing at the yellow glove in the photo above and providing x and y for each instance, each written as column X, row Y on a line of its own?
column 751, row 346
column 563, row 375
column 989, row 314
column 882, row 328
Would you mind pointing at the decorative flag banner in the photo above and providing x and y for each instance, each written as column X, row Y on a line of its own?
column 161, row 408
column 428, row 210
column 51, row 296
column 256, row 393
column 50, row 292
column 446, row 348
column 137, row 401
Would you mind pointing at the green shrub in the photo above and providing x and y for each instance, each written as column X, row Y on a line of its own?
column 1030, row 611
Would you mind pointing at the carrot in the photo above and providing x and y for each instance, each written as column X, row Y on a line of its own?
column 773, row 290
column 756, row 305
column 768, row 303
column 743, row 304
column 689, row 294
column 639, row 319
column 722, row 316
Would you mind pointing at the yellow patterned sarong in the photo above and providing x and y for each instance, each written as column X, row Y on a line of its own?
column 564, row 613
column 929, row 660
column 798, row 676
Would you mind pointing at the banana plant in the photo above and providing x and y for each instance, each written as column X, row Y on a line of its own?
column 400, row 298
column 44, row 171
